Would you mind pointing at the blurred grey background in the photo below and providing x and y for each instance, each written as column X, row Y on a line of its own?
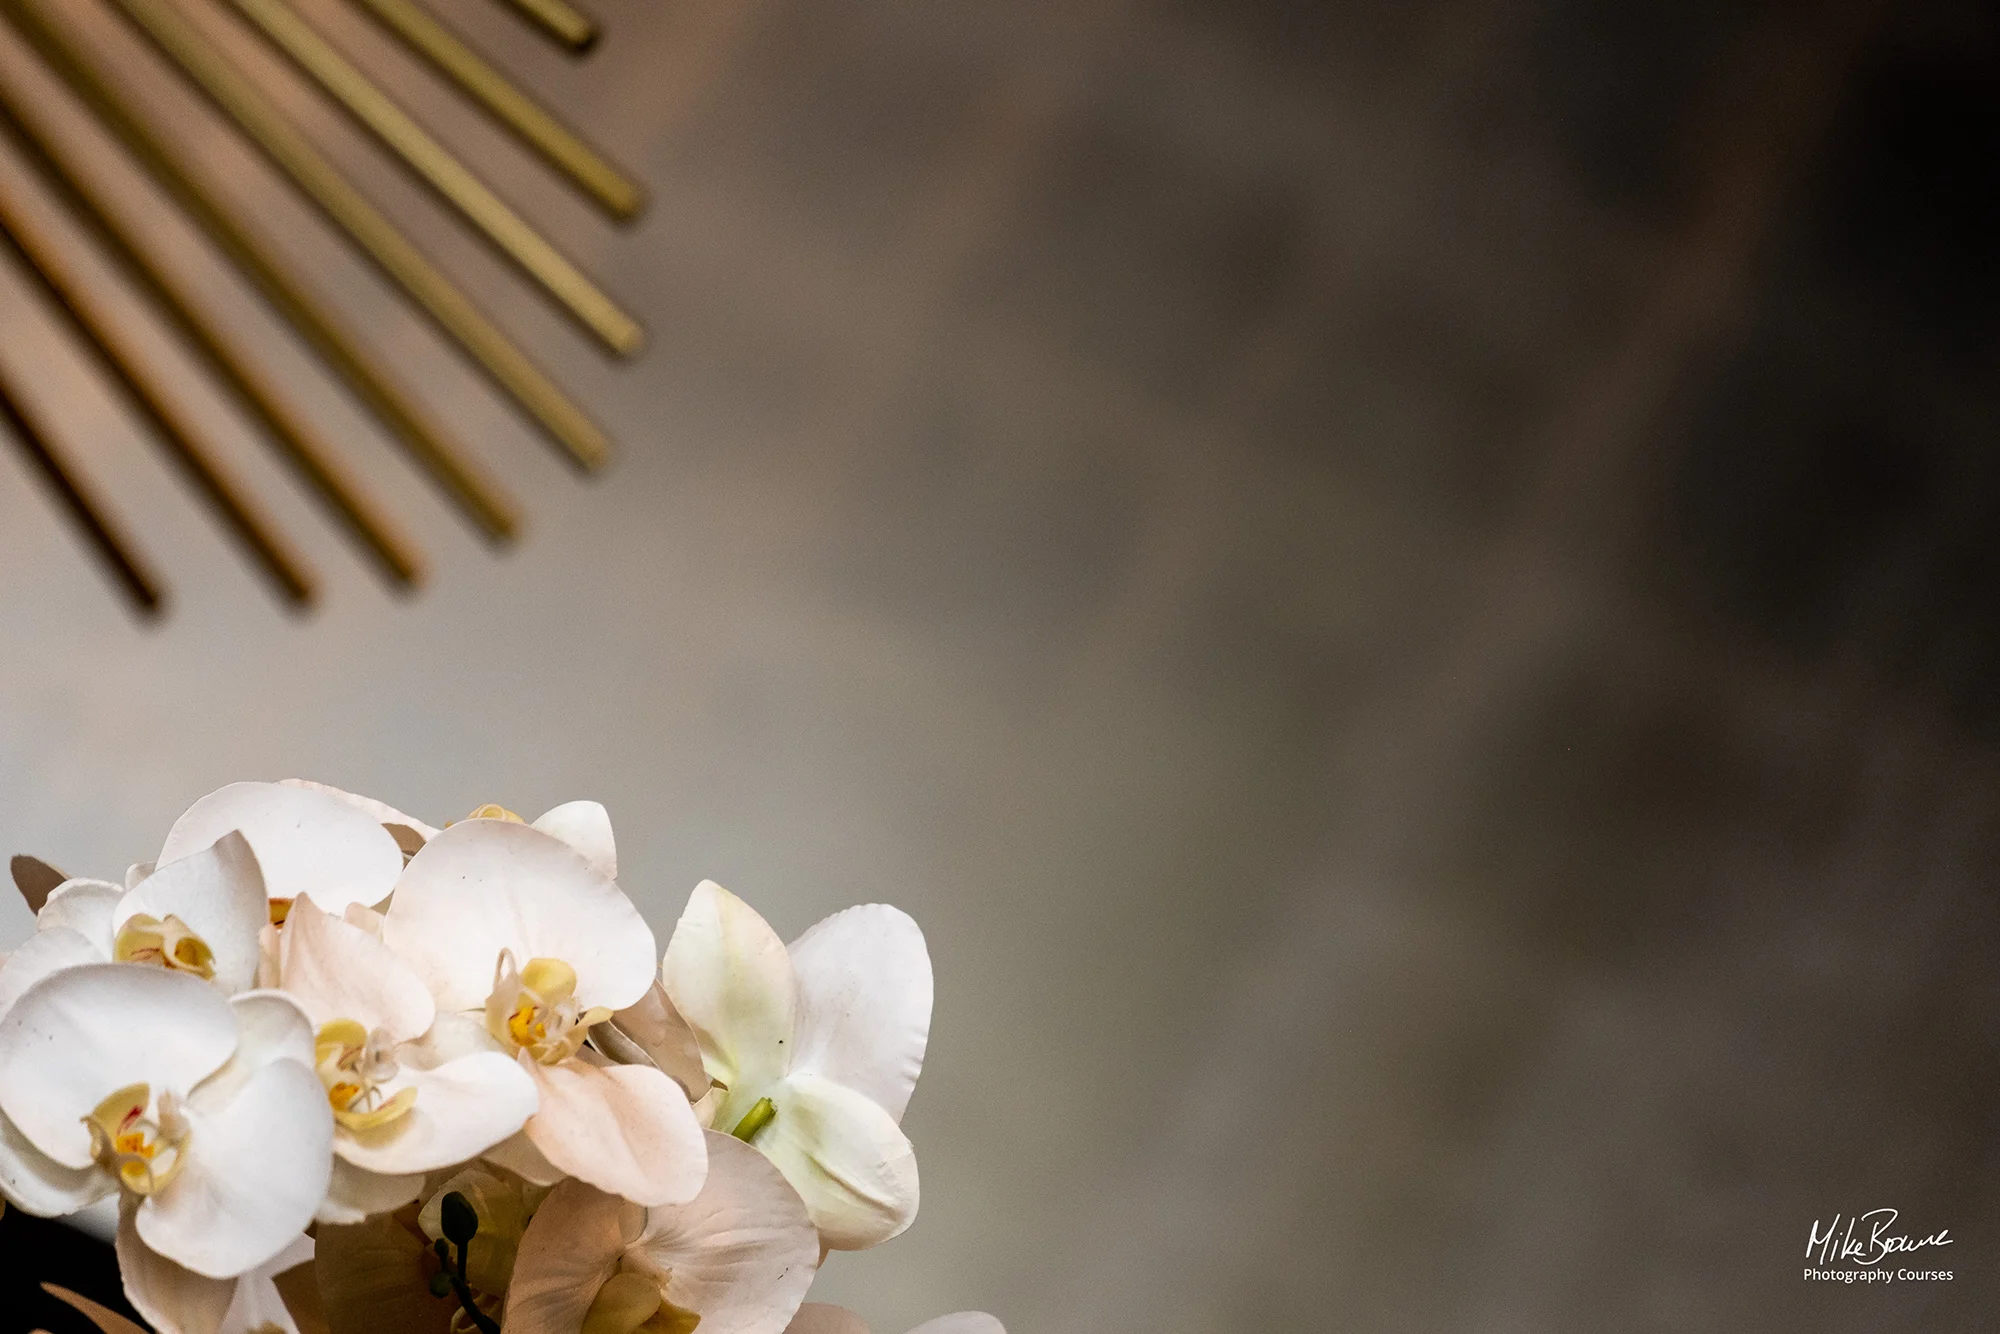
column 1405, row 589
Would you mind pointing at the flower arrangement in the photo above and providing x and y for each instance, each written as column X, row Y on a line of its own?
column 347, row 1073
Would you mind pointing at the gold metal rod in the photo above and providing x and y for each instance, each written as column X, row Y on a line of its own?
column 106, row 536
column 442, row 458
column 527, row 119
column 441, row 169
column 375, row 235
column 300, row 444
column 116, row 352
column 564, row 22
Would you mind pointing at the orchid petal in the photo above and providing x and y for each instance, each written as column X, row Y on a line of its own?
column 864, row 1002
column 339, row 971
column 81, row 1034
column 219, row 893
column 962, row 1322
column 463, row 1108
column 270, row 1026
column 728, row 974
column 173, row 1299
column 36, row 1183
column 255, row 1170
column 483, row 886
column 847, row 1159
column 353, row 1195
column 259, row 1307
column 652, row 1032
column 820, row 1318
column 743, row 1252
column 626, row 1129
column 384, row 814
column 47, row 951
column 85, row 906
column 307, row 842
column 585, row 826
column 518, row 1154
column 572, row 1246
column 373, row 1280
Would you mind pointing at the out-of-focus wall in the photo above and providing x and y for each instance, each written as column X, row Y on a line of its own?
column 1405, row 589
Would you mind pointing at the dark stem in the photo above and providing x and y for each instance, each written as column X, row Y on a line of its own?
column 485, row 1323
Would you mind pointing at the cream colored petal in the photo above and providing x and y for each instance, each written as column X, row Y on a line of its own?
column 728, row 974
column 37, row 1184
column 518, row 1154
column 353, row 1195
column 846, row 1158
column 743, row 1252
column 383, row 813
column 819, row 1318
column 84, row 906
column 585, row 826
column 83, row 1033
column 258, row 1307
column 136, row 873
column 653, row 1033
column 254, row 1172
column 270, row 1026
column 49, row 950
column 571, row 1247
column 339, row 971
column 307, row 842
column 864, row 1002
column 962, row 1322
column 463, row 1108
column 626, row 1129
column 374, row 1278
column 173, row 1300
column 218, row 892
column 483, row 886
column 450, row 1036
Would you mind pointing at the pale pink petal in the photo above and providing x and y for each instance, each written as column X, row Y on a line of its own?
column 846, row 1158
column 518, row 1154
column 653, row 1033
column 81, row 1034
column 743, row 1252
column 571, row 1247
column 353, row 1195
column 339, row 971
column 307, row 842
column 218, row 893
column 483, row 886
column 384, row 814
column 864, row 1002
column 626, row 1129
column 463, row 1108
column 728, row 974
column 819, row 1318
column 585, row 826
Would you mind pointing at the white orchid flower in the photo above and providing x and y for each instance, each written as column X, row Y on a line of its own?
column 178, row 1301
column 819, row 1318
column 199, row 914
column 203, row 1111
column 396, row 1116
column 737, row 1259
column 525, row 943
column 815, row 1050
column 308, row 839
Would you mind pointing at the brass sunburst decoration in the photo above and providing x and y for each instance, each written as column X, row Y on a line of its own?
column 49, row 260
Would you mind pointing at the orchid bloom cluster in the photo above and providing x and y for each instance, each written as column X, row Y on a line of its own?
column 343, row 1071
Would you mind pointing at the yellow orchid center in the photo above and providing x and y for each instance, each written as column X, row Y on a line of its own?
column 165, row 944
column 143, row 1152
column 632, row 1302
column 492, row 812
column 533, row 1009
column 354, row 1064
